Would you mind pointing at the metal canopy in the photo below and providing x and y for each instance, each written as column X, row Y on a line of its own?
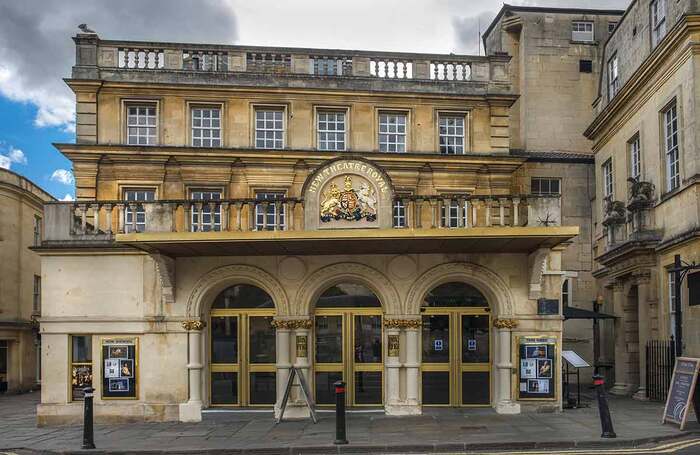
column 580, row 313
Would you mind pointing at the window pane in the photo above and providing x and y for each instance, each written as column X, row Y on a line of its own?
column 329, row 339
column 262, row 340
column 436, row 387
column 224, row 339
column 224, row 388
column 263, row 388
column 436, row 338
column 325, row 392
column 476, row 387
column 368, row 387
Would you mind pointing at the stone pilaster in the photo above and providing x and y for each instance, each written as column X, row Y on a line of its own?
column 406, row 332
column 292, row 340
column 191, row 411
column 643, row 281
column 622, row 357
column 504, row 367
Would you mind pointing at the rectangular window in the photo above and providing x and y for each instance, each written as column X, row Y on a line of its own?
column 135, row 213
column 3, row 359
column 37, row 230
column 392, row 132
column 451, row 130
column 399, row 213
column 36, row 301
column 613, row 77
column 582, row 31
column 331, row 130
column 206, row 127
column 450, row 215
column 672, row 302
column 269, row 128
column 202, row 214
column 585, row 66
column 608, row 178
column 611, row 26
column 658, row 21
column 673, row 174
column 635, row 157
column 81, row 365
column 141, row 124
column 545, row 186
column 265, row 219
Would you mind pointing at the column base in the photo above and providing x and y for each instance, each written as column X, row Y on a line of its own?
column 399, row 409
column 191, row 411
column 507, row 407
column 294, row 411
column 621, row 389
column 640, row 395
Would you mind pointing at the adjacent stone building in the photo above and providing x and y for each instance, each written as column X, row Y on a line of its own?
column 647, row 164
column 21, row 221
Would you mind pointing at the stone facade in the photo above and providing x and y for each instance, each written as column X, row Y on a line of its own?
column 21, row 221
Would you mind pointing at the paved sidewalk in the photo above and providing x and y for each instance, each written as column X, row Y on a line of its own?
column 445, row 430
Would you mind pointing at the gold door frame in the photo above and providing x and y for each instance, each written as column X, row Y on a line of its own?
column 243, row 367
column 455, row 367
column 348, row 367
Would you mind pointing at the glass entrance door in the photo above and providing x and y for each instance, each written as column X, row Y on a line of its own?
column 349, row 347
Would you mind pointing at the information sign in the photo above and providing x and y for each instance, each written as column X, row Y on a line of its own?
column 536, row 368
column 119, row 365
column 574, row 359
column 680, row 394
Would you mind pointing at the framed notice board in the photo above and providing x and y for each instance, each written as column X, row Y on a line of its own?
column 537, row 368
column 682, row 391
column 120, row 368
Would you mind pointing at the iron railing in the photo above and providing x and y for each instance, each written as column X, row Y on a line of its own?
column 661, row 357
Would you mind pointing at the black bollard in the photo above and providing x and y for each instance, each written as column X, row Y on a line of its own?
column 88, row 434
column 340, row 435
column 603, row 410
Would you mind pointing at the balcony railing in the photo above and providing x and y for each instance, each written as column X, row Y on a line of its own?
column 94, row 52
column 98, row 221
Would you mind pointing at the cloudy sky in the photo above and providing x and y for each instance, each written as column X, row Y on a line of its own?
column 36, row 51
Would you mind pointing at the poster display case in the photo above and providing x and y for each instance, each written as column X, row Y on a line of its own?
column 120, row 368
column 537, row 368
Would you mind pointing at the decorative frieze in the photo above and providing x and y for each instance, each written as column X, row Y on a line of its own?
column 505, row 323
column 292, row 324
column 402, row 323
column 193, row 325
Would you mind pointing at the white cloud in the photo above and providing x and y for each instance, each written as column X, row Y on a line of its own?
column 68, row 197
column 63, row 176
column 10, row 155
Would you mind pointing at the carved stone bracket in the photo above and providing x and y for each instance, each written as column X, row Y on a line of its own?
column 402, row 323
column 192, row 325
column 165, row 266
column 536, row 262
column 292, row 324
column 505, row 323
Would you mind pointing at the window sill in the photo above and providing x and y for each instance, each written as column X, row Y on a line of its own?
column 585, row 43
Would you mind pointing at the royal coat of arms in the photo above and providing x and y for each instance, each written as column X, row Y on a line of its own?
column 350, row 204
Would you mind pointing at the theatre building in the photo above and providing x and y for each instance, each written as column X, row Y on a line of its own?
column 242, row 211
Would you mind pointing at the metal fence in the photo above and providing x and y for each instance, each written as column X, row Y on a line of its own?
column 661, row 357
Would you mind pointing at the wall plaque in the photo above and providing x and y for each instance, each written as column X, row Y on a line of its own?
column 302, row 346
column 394, row 345
column 120, row 368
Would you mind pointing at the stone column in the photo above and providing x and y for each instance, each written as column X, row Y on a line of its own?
column 192, row 410
column 643, row 280
column 283, row 363
column 392, row 365
column 412, row 364
column 504, row 367
column 622, row 385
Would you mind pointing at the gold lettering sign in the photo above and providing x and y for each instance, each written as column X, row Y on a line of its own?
column 345, row 166
column 302, row 346
column 394, row 345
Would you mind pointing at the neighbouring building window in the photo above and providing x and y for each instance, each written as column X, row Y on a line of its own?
column 141, row 124
column 392, row 132
column 585, row 66
column 545, row 186
column 582, row 31
column 608, row 178
column 672, row 302
column 450, row 214
column 265, row 219
column 3, row 360
column 269, row 128
column 399, row 214
column 37, row 230
column 135, row 213
column 81, row 365
column 635, row 157
column 566, row 294
column 331, row 130
column 611, row 26
column 613, row 77
column 36, row 302
column 673, row 174
column 206, row 127
column 202, row 220
column 451, row 134
column 658, row 21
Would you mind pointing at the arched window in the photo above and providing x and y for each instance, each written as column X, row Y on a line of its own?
column 455, row 294
column 243, row 296
column 566, row 292
column 347, row 295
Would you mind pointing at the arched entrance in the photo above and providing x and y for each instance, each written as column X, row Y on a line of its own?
column 348, row 345
column 242, row 348
column 456, row 347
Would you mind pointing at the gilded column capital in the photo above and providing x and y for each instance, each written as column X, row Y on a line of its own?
column 402, row 323
column 505, row 323
column 292, row 324
column 193, row 325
